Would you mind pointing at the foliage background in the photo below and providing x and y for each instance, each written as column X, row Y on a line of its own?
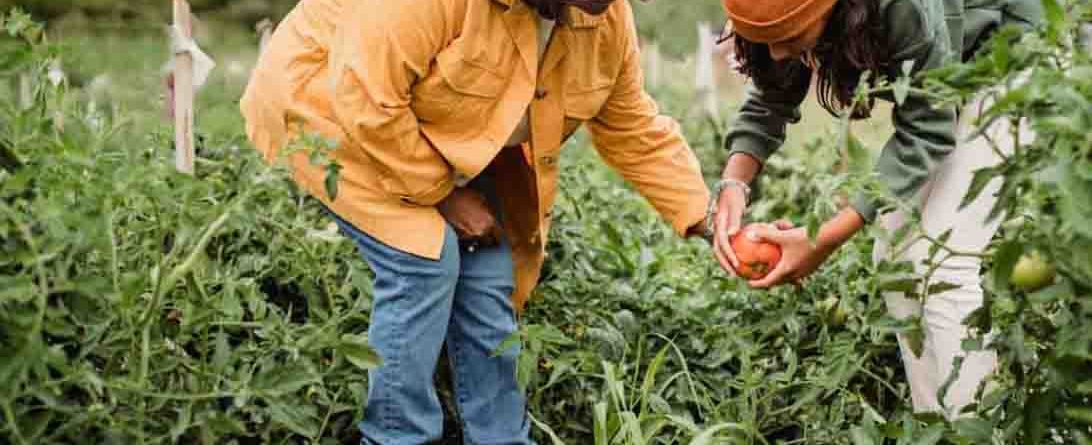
column 142, row 306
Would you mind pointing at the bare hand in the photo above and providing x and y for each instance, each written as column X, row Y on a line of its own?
column 469, row 214
column 799, row 257
column 731, row 205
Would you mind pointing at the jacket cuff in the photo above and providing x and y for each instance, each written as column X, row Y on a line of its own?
column 693, row 214
column 865, row 206
column 750, row 145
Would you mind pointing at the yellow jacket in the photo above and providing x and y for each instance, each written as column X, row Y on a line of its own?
column 418, row 93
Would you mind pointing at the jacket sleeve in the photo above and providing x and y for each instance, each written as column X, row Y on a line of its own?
column 647, row 148
column 924, row 134
column 759, row 128
column 380, row 51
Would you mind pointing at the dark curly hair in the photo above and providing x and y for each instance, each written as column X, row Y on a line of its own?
column 849, row 46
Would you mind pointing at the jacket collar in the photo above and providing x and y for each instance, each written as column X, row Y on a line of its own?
column 579, row 19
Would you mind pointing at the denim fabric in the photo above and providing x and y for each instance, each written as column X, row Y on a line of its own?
column 419, row 304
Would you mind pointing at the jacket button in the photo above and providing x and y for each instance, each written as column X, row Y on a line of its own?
column 461, row 180
column 540, row 93
column 549, row 214
column 549, row 161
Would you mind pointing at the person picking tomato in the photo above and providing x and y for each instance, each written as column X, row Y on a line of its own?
column 781, row 45
column 449, row 117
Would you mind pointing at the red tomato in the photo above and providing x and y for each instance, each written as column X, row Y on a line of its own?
column 756, row 258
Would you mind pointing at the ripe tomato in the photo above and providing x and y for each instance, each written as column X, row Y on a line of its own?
column 756, row 258
column 1032, row 272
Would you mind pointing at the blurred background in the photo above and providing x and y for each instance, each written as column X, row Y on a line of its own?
column 116, row 51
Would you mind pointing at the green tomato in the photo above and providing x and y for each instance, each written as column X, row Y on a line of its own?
column 1032, row 272
column 839, row 316
column 827, row 304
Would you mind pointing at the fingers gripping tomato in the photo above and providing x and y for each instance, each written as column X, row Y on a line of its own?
column 756, row 258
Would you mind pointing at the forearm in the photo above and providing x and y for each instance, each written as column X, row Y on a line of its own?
column 741, row 167
column 839, row 229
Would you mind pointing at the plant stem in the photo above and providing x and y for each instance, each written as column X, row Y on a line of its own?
column 173, row 396
column 12, row 425
column 326, row 419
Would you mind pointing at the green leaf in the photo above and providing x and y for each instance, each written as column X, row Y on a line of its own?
column 36, row 423
column 1060, row 291
column 860, row 436
column 709, row 434
column 931, row 436
column 222, row 352
column 513, row 340
column 185, row 420
column 1003, row 261
column 971, row 344
column 915, row 336
column 300, row 419
column 981, row 179
column 904, row 285
column 1037, row 413
column 600, row 415
column 283, row 379
column 1001, row 56
column 17, row 289
column 994, row 399
column 527, row 367
column 940, row 242
column 333, row 172
column 548, row 334
column 1081, row 414
column 859, row 160
column 554, row 438
column 1055, row 17
column 977, row 430
column 942, row 287
column 650, row 376
column 356, row 349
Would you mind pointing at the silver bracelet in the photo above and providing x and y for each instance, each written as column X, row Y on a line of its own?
column 718, row 189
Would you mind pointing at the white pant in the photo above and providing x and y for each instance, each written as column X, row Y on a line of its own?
column 944, row 312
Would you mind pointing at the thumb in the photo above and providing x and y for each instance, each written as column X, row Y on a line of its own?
column 784, row 224
column 766, row 233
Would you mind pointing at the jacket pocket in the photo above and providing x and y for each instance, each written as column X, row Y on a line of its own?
column 456, row 88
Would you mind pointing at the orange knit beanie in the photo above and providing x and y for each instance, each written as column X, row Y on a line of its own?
column 773, row 21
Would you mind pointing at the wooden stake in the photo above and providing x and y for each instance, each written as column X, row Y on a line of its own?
column 655, row 65
column 265, row 33
column 183, row 93
column 705, row 84
column 26, row 91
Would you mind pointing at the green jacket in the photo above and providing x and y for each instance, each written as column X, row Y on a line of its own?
column 927, row 32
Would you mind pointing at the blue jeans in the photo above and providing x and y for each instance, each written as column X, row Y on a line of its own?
column 419, row 304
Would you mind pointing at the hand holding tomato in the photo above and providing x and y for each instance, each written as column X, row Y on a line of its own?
column 799, row 257
column 755, row 258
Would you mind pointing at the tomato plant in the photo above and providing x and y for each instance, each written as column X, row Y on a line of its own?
column 138, row 305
